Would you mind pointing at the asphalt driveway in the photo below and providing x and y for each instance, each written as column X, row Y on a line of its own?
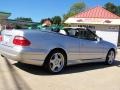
column 95, row 76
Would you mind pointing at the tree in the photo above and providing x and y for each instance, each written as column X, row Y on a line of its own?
column 111, row 7
column 18, row 26
column 118, row 10
column 23, row 19
column 67, row 15
column 74, row 9
column 56, row 20
column 77, row 7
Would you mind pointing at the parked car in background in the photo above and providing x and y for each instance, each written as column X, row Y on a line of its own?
column 56, row 50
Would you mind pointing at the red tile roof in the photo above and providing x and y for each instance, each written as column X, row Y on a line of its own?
column 97, row 12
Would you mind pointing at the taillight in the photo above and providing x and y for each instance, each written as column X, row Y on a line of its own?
column 1, row 38
column 21, row 41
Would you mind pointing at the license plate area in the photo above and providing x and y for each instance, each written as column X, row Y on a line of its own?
column 6, row 39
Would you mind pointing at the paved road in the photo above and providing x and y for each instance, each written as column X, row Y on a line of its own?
column 17, row 76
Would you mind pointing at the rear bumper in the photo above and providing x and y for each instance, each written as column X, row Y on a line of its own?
column 34, row 58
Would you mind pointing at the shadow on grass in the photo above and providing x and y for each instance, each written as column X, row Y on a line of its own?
column 37, row 70
column 19, row 82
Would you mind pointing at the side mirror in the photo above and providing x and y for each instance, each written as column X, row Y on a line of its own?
column 99, row 39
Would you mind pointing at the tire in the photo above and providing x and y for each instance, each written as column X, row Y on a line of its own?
column 110, row 58
column 55, row 61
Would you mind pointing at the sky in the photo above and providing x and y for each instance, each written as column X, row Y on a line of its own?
column 39, row 9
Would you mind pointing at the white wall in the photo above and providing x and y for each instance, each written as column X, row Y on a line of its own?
column 110, row 36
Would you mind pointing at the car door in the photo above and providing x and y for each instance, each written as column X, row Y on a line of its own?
column 90, row 46
column 73, row 45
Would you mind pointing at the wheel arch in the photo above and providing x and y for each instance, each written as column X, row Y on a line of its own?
column 56, row 49
column 108, row 61
column 112, row 50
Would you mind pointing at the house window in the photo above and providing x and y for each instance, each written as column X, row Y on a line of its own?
column 87, row 26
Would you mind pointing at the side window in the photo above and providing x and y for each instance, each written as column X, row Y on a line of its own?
column 81, row 33
column 85, row 34
column 72, row 32
column 91, row 36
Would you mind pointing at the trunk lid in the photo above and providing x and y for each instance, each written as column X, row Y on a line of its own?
column 8, row 36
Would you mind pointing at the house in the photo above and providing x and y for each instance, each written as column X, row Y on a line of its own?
column 3, row 19
column 104, row 23
column 6, row 23
column 46, row 22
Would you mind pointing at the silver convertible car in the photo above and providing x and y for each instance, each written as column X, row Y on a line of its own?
column 55, row 49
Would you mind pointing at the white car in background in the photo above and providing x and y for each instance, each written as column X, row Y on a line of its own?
column 55, row 50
